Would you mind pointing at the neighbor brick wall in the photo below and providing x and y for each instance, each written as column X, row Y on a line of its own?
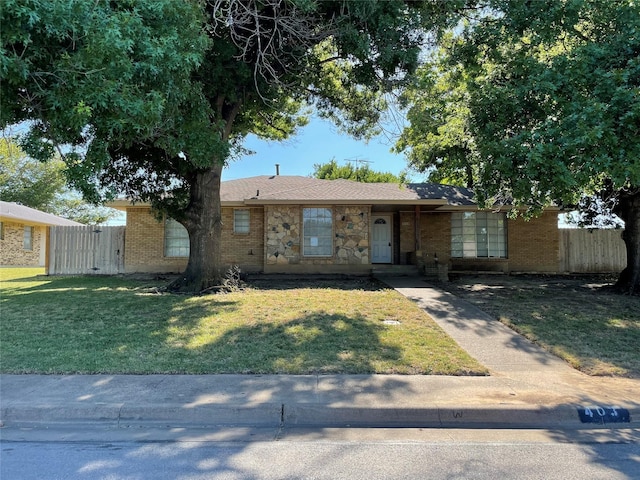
column 12, row 252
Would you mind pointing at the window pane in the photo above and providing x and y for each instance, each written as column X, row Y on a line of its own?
column 28, row 238
column 317, row 232
column 478, row 235
column 241, row 221
column 176, row 239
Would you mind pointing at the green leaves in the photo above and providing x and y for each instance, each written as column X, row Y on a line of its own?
column 332, row 171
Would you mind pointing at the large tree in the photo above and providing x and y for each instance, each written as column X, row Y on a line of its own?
column 437, row 138
column 552, row 89
column 158, row 93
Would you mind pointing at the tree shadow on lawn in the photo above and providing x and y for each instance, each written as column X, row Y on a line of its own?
column 113, row 325
column 314, row 343
column 582, row 319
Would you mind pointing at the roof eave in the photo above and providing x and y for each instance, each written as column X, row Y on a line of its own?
column 311, row 201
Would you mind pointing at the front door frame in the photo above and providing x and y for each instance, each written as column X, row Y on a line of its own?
column 388, row 218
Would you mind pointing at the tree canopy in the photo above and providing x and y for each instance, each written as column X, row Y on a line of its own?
column 551, row 107
column 156, row 94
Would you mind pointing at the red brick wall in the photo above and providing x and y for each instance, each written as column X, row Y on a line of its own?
column 144, row 249
column 534, row 244
column 435, row 236
column 243, row 249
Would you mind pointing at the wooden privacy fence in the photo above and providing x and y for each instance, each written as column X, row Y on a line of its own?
column 86, row 250
column 592, row 251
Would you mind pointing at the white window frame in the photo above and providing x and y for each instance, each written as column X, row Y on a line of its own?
column 176, row 239
column 241, row 221
column 27, row 241
column 478, row 235
column 317, row 232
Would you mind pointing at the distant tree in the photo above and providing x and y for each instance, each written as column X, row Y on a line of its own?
column 332, row 171
column 26, row 181
column 42, row 185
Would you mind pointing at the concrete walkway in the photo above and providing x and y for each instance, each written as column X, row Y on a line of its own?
column 527, row 388
column 535, row 375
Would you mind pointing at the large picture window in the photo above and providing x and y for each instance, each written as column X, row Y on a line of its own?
column 317, row 230
column 176, row 239
column 478, row 235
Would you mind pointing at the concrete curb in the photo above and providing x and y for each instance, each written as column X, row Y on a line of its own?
column 308, row 415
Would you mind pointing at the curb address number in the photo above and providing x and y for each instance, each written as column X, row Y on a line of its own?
column 604, row 415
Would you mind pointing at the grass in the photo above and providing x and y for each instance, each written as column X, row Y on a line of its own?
column 580, row 319
column 122, row 325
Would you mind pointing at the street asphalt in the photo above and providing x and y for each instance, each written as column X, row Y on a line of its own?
column 527, row 388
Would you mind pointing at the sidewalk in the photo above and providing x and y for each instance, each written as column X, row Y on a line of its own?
column 527, row 388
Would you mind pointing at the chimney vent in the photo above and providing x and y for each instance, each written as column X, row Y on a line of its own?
column 277, row 169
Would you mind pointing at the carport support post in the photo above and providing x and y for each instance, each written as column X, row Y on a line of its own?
column 417, row 229
column 418, row 255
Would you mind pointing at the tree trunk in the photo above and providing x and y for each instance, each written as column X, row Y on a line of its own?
column 628, row 209
column 203, row 221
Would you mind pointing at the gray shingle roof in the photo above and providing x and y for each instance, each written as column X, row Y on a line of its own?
column 290, row 189
column 20, row 213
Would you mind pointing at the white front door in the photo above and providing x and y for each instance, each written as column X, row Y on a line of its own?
column 381, row 239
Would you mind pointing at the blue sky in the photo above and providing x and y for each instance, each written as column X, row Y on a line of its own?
column 316, row 143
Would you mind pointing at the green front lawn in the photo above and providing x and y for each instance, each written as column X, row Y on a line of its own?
column 122, row 325
column 581, row 319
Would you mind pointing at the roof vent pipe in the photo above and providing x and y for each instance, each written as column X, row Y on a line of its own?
column 277, row 169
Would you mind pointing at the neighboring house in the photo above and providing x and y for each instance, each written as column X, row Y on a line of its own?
column 23, row 235
column 280, row 224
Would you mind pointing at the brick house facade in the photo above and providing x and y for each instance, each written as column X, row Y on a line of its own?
column 24, row 235
column 283, row 224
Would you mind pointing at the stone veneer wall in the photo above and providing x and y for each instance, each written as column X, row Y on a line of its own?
column 12, row 252
column 351, row 226
column 284, row 236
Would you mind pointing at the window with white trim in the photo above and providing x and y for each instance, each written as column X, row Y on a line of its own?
column 28, row 238
column 317, row 232
column 176, row 239
column 241, row 221
column 478, row 235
